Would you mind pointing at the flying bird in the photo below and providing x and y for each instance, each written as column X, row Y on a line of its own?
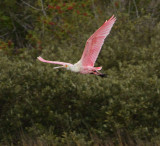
column 92, row 48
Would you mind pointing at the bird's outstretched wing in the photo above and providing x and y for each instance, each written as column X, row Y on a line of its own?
column 95, row 42
column 53, row 62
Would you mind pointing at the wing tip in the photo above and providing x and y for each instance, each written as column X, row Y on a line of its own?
column 113, row 18
column 40, row 58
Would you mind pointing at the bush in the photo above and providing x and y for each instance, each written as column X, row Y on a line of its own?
column 61, row 107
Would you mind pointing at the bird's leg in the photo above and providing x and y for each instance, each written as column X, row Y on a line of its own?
column 95, row 72
column 102, row 75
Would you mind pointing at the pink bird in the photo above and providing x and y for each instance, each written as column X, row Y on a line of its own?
column 92, row 48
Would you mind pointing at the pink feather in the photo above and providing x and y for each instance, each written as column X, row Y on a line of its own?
column 53, row 62
column 95, row 42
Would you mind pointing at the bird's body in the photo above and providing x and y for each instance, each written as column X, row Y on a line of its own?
column 78, row 67
column 92, row 48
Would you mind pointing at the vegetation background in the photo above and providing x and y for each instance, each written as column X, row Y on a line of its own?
column 42, row 106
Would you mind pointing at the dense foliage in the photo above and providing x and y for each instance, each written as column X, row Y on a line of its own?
column 61, row 107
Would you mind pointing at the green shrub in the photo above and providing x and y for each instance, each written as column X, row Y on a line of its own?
column 58, row 106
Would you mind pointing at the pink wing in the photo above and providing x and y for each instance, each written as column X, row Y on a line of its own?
column 53, row 62
column 95, row 42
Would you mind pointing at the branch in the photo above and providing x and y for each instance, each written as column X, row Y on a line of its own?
column 94, row 11
column 129, row 7
column 30, row 6
column 136, row 8
column 44, row 13
column 1, row 36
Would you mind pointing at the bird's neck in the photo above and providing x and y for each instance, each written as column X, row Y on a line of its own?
column 76, row 67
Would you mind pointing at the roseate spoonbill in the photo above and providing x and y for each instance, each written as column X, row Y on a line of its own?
column 92, row 48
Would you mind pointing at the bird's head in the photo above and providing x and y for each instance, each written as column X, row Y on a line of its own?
column 68, row 66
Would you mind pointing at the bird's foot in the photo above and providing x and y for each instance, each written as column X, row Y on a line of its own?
column 103, row 75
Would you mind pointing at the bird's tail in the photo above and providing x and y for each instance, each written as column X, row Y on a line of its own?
column 97, row 68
